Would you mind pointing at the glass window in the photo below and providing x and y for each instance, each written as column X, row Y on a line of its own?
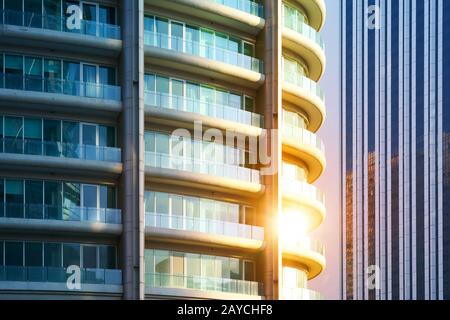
column 15, row 15
column 106, row 136
column 162, row 32
column 33, row 13
column 178, row 264
column 14, row 198
column 107, row 257
column 53, row 200
column 249, row 269
column 150, row 33
column 53, row 255
column 13, row 135
column 71, row 255
column 162, row 143
column 2, row 83
column 13, row 72
column 162, row 262
column 107, row 15
column 193, row 265
column 249, row 104
column 52, row 14
column 149, row 261
column 1, row 253
column 107, row 76
column 235, row 272
column 33, row 199
column 71, row 76
column 90, row 257
column 206, row 43
column 33, row 74
column 222, row 46
column 107, row 197
column 149, row 81
column 162, row 203
column 176, row 42
column 33, row 136
column 71, row 139
column 13, row 253
column 208, row 267
column 90, row 19
column 71, row 196
column 52, row 137
column 150, row 202
column 52, row 75
column 150, row 142
column 33, row 254
column 192, row 40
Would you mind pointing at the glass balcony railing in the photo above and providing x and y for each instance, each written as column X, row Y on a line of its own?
column 224, row 228
column 308, row 244
column 300, row 294
column 50, row 22
column 59, row 86
column 303, row 189
column 165, row 161
column 303, row 29
column 59, row 275
column 59, row 213
column 160, row 280
column 303, row 136
column 60, row 150
column 179, row 103
column 203, row 50
column 305, row 83
column 248, row 6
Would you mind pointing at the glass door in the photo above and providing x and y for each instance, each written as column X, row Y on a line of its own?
column 89, row 201
column 89, row 141
column 176, row 40
column 90, row 18
column 90, row 80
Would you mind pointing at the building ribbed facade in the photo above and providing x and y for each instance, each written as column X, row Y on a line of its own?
column 394, row 149
column 93, row 179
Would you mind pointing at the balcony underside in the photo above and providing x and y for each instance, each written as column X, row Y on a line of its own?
column 202, row 66
column 310, row 261
column 59, row 103
column 59, row 41
column 11, row 290
column 316, row 12
column 312, row 157
column 308, row 50
column 307, row 103
column 202, row 181
column 59, row 166
column 60, row 228
column 220, row 14
column 208, row 240
column 191, row 294
column 182, row 119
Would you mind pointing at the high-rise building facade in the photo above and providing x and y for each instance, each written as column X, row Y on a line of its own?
column 97, row 190
column 395, row 113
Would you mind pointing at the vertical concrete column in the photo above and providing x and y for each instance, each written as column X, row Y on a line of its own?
column 270, row 204
column 132, row 70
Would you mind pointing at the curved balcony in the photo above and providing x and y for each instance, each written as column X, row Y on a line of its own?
column 18, row 27
column 307, row 96
column 160, row 284
column 316, row 12
column 160, row 107
column 57, row 157
column 244, row 15
column 307, row 198
column 59, row 95
column 40, row 218
column 207, row 60
column 54, row 280
column 307, row 254
column 306, row 146
column 203, row 174
column 307, row 43
column 211, row 233
column 300, row 294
